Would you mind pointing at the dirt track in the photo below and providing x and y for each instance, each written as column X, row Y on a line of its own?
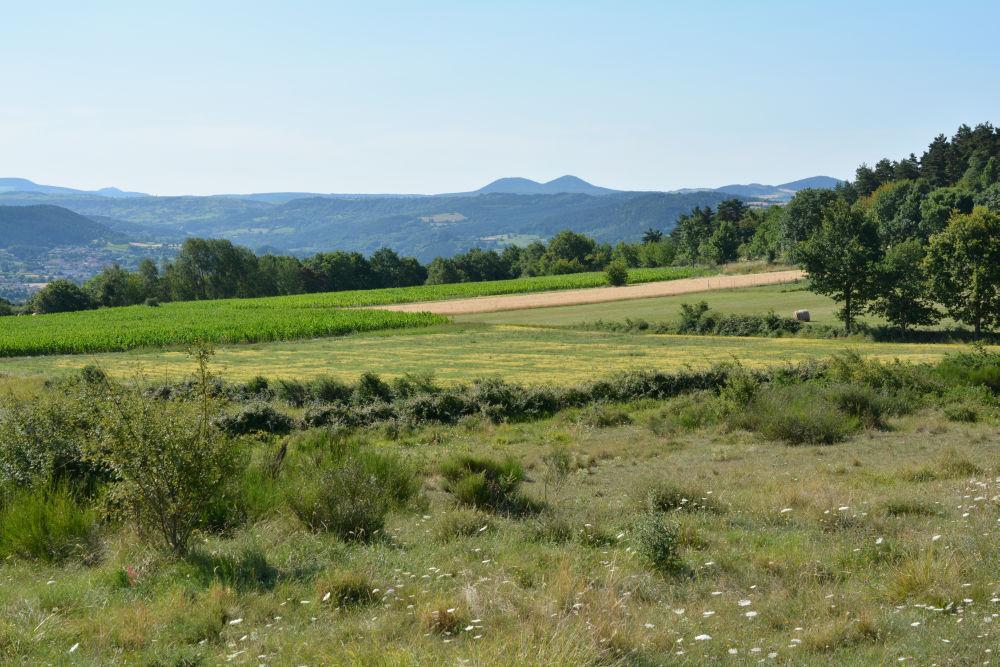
column 490, row 304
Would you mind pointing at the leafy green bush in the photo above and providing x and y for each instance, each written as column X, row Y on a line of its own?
column 293, row 392
column 616, row 273
column 858, row 401
column 796, row 414
column 167, row 459
column 256, row 417
column 353, row 495
column 42, row 442
column 486, row 484
column 328, row 390
column 46, row 523
column 979, row 367
column 370, row 388
column 658, row 542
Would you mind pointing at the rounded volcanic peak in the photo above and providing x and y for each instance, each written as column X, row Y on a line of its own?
column 525, row 186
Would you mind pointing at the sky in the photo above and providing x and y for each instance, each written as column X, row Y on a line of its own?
column 435, row 96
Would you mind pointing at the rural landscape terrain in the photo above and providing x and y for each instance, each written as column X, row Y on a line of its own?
column 545, row 334
column 569, row 452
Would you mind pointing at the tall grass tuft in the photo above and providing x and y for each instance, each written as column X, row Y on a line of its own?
column 47, row 524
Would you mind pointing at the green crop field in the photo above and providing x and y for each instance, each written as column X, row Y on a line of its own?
column 464, row 352
column 264, row 319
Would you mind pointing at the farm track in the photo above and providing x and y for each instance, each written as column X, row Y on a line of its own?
column 490, row 304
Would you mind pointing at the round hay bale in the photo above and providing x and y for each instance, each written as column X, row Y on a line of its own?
column 802, row 315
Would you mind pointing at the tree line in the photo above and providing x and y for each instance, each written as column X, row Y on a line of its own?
column 912, row 240
column 218, row 269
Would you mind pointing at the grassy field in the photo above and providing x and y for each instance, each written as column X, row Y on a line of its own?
column 877, row 550
column 465, row 352
column 263, row 319
column 783, row 299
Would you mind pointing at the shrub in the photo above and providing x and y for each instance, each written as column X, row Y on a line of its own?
column 461, row 523
column 320, row 414
column 616, row 273
column 961, row 413
column 328, row 390
column 412, row 384
column 486, row 484
column 256, row 387
column 603, row 416
column 669, row 497
column 292, row 392
column 371, row 388
column 346, row 589
column 796, row 414
column 972, row 368
column 658, row 542
column 46, row 524
column 858, row 401
column 256, row 417
column 446, row 407
column 42, row 442
column 693, row 411
column 354, row 495
column 167, row 459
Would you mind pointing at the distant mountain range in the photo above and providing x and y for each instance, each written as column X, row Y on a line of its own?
column 509, row 210
column 24, row 185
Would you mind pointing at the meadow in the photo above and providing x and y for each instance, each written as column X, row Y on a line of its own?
column 263, row 319
column 665, row 530
column 783, row 299
column 463, row 352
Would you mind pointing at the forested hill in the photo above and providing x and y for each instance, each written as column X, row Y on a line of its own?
column 424, row 227
column 44, row 227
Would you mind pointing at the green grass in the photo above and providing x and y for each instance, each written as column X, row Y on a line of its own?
column 263, row 319
column 783, row 299
column 464, row 352
column 805, row 554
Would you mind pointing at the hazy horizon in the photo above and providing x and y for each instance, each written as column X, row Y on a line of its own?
column 446, row 97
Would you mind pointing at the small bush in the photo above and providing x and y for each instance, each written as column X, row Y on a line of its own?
column 603, row 416
column 486, row 484
column 551, row 528
column 658, row 542
column 693, row 411
column 354, row 495
column 859, row 401
column 669, row 497
column 797, row 415
column 327, row 414
column 461, row 523
column 328, row 390
column 979, row 367
column 371, row 388
column 346, row 589
column 292, row 392
column 961, row 412
column 255, row 417
column 168, row 461
column 46, row 524
column 616, row 273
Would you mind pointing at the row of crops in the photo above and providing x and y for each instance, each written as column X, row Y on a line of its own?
column 392, row 295
column 263, row 319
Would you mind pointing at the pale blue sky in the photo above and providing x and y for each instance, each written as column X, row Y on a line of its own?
column 432, row 96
